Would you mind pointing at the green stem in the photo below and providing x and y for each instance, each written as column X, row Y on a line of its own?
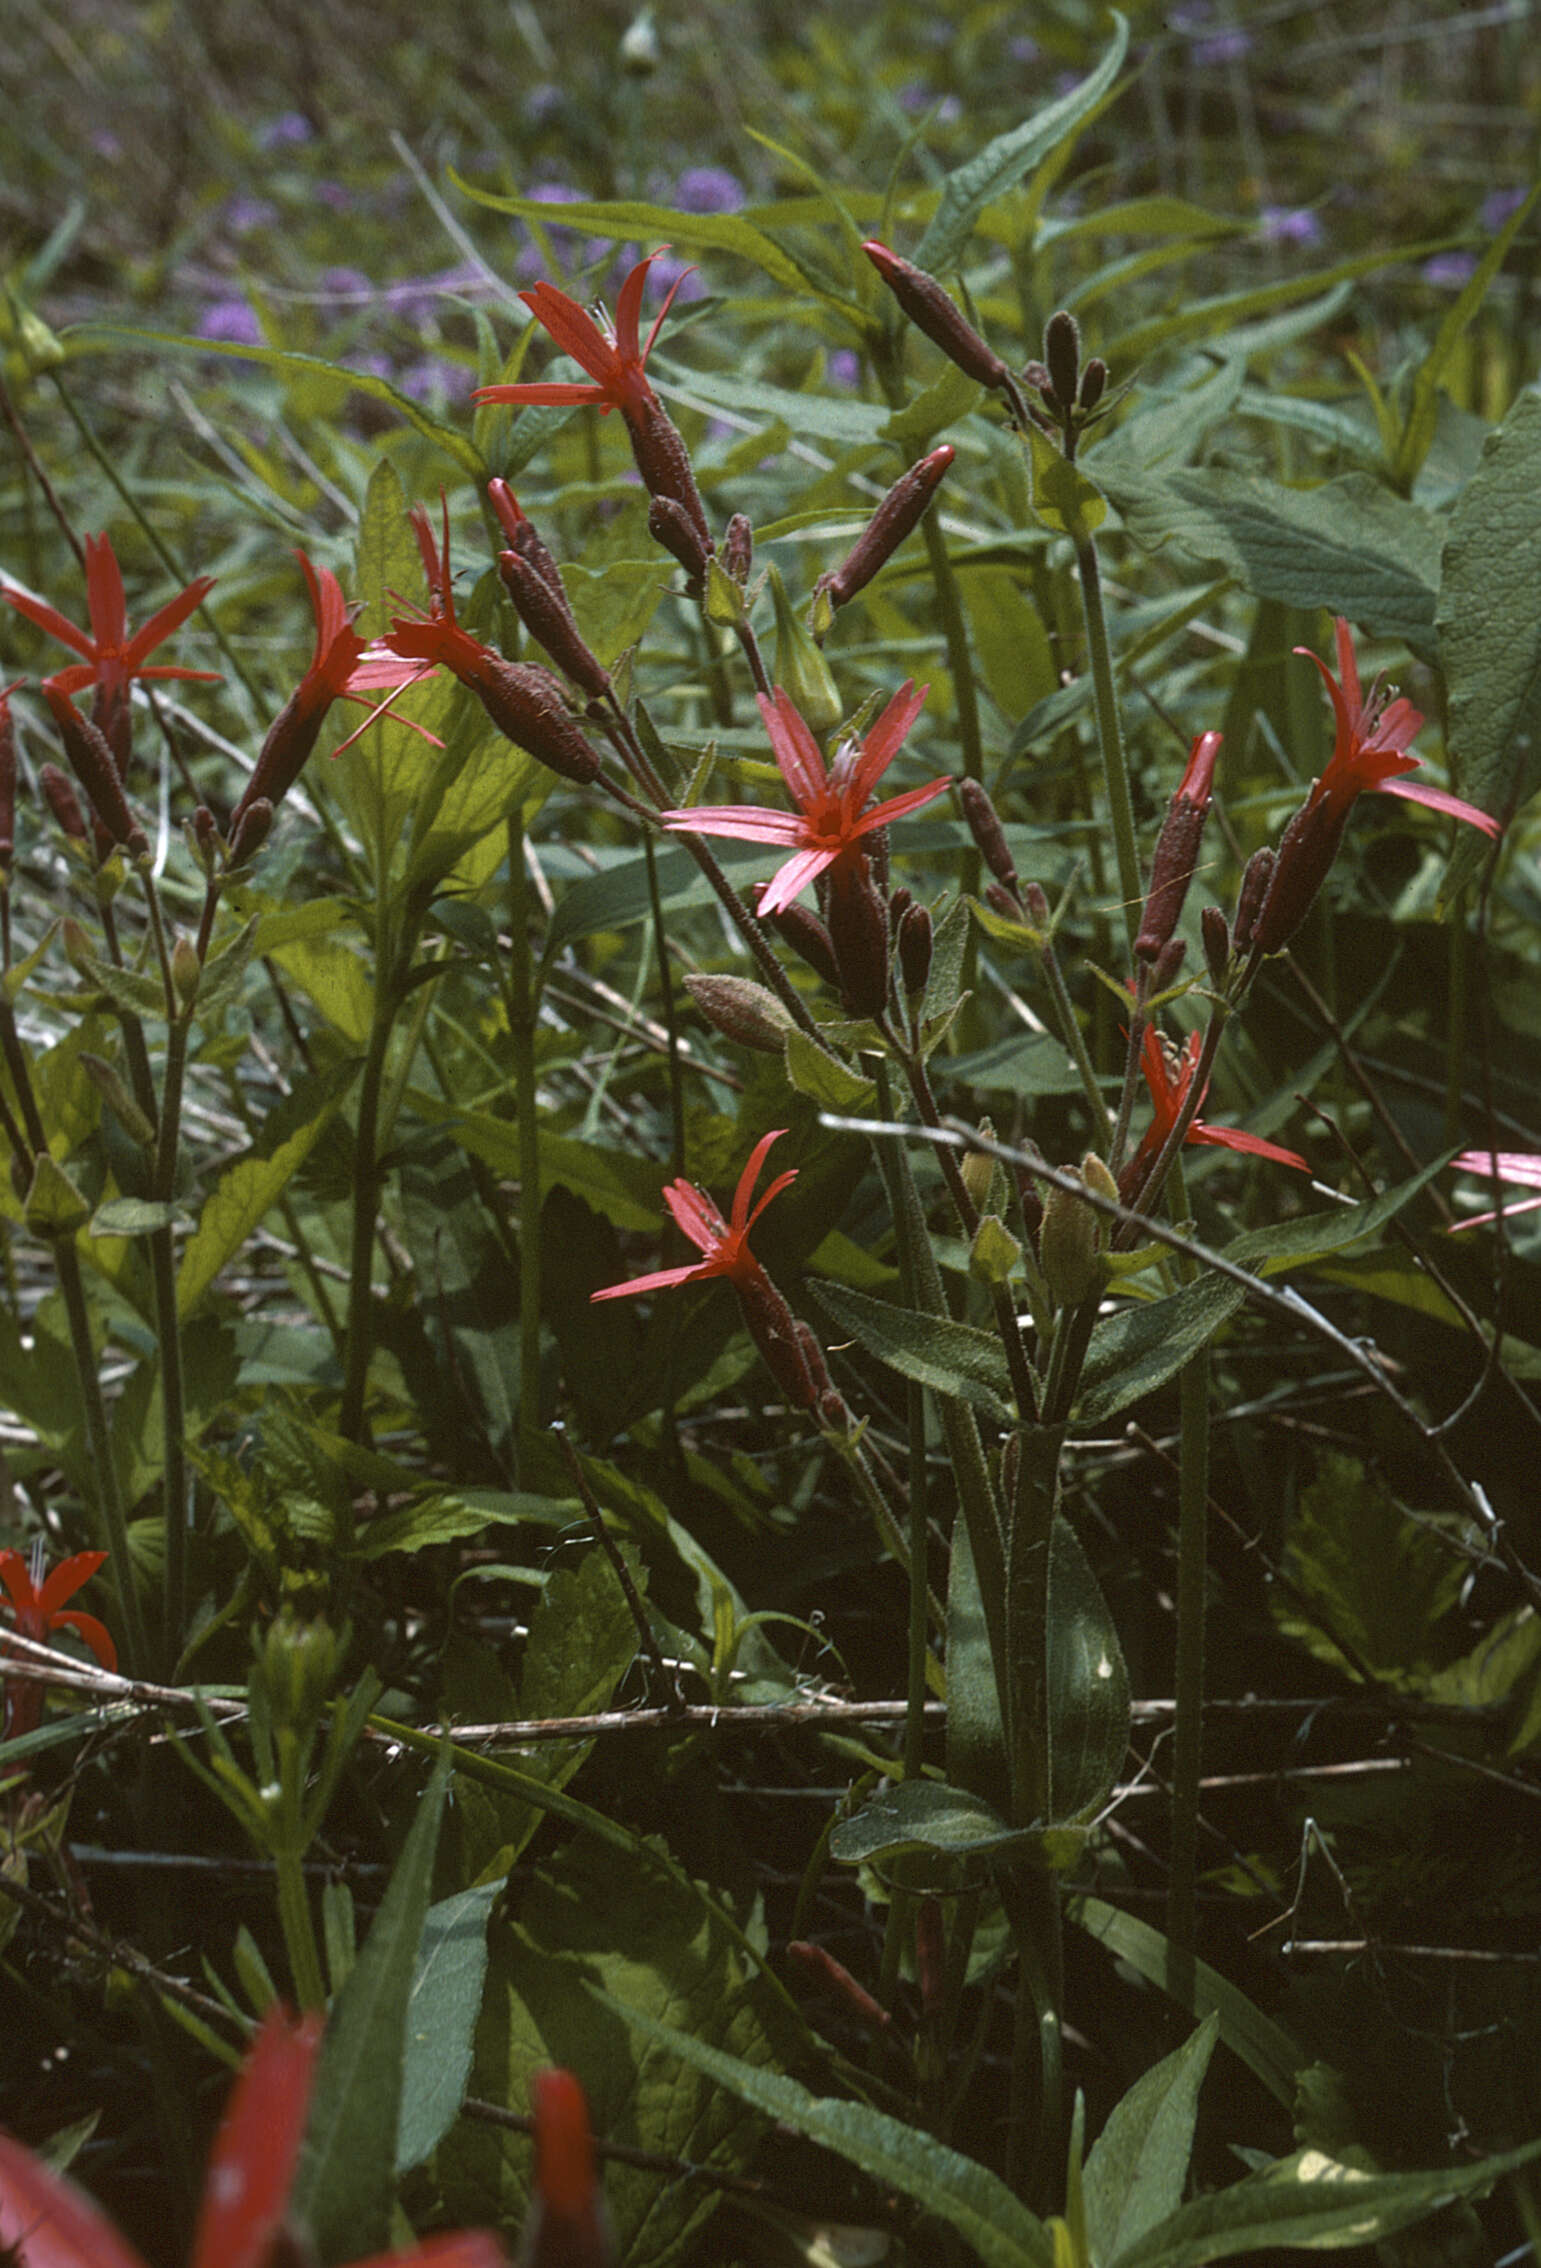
column 109, row 1505
column 521, row 1019
column 1037, row 2062
column 1115, row 769
column 366, row 1202
column 1192, row 1574
column 299, row 1930
column 168, row 1331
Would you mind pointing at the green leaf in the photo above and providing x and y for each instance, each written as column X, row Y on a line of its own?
column 813, row 1071
column 1214, row 320
column 951, row 1358
column 131, row 1216
column 442, row 2009
column 1379, row 1581
column 817, row 417
column 1135, row 2175
column 1001, row 164
column 619, row 896
column 346, row 2174
column 249, row 1188
column 923, row 1815
column 1139, row 1349
column 223, row 974
column 966, row 2195
column 1263, row 2046
column 976, row 1743
column 1313, row 2203
column 1088, row 1684
column 1489, row 626
column 1348, row 545
column 1064, row 500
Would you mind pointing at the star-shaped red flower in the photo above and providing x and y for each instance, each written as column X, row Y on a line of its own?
column 39, row 1610
column 1371, row 746
column 1169, row 1074
column 724, row 1242
column 112, row 655
column 615, row 358
column 826, row 832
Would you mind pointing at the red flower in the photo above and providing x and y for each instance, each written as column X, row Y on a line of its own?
column 113, row 658
column 725, row 1243
column 1371, row 746
column 431, row 636
column 334, row 675
column 49, row 2223
column 1169, row 1075
column 568, row 2226
column 1519, row 1169
column 826, row 831
column 613, row 357
column 39, row 1609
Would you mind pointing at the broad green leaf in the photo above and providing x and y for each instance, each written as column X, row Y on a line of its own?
column 447, row 1519
column 1001, row 164
column 619, row 896
column 1263, row 2046
column 131, row 1216
column 623, row 1185
column 1489, row 626
column 958, row 2190
column 1139, row 2164
column 1064, row 500
column 1377, row 1580
column 952, row 1358
column 976, row 1746
column 1164, row 428
column 623, row 218
column 1088, row 1684
column 346, row 2176
column 252, row 1185
column 615, row 603
column 820, row 417
column 1349, row 545
column 1314, row 2204
column 446, row 1996
column 1011, row 645
column 922, row 1815
column 449, row 438
column 813, row 1071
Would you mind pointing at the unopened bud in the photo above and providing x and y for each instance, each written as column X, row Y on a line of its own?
column 1062, row 353
column 1307, row 849
column 1094, row 379
column 985, row 826
column 998, row 897
column 77, row 945
column 835, row 1978
column 1177, row 848
column 1069, row 1248
column 901, row 510
column 91, row 761
column 110, row 1086
column 640, row 52
column 1164, row 968
column 250, row 832
column 742, row 1011
column 1255, row 879
column 543, row 609
column 738, row 548
column 664, row 463
column 858, row 930
column 671, row 525
column 977, row 1168
column 1217, row 945
column 833, row 1411
column 525, row 702
column 186, row 969
column 7, row 777
column 1035, row 904
column 813, row 1359
column 506, row 505
column 994, row 1254
column 809, row 939
column 931, row 310
column 915, row 949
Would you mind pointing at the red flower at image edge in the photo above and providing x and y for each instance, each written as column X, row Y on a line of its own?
column 48, row 2223
column 725, row 1242
column 1370, row 749
column 615, row 359
column 39, row 1610
column 568, row 2225
column 1518, row 1169
column 826, row 831
column 112, row 657
column 1169, row 1074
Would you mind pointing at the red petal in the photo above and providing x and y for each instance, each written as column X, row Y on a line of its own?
column 50, row 619
column 899, row 806
column 791, row 880
column 65, row 1580
column 887, row 736
column 662, row 1279
column 17, row 1578
column 1522, row 1167
column 246, row 2191
column 555, row 394
column 741, row 1215
column 1235, row 1138
column 695, row 1215
column 104, row 592
column 796, row 750
column 46, row 2222
column 1414, row 791
column 744, row 820
column 96, row 1634
column 628, row 312
column 575, row 331
column 160, row 625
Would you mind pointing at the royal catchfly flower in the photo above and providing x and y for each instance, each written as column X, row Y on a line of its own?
column 46, row 2222
column 613, row 356
column 827, row 832
column 1370, row 751
column 724, row 1242
column 568, row 2226
column 334, row 675
column 38, row 1609
column 1169, row 1074
column 112, row 657
column 1520, row 1169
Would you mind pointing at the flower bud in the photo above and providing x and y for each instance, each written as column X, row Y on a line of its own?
column 813, row 1359
column 664, row 463
column 640, row 52
column 738, row 548
column 186, row 969
column 1217, row 946
column 1094, row 379
column 1069, row 1248
column 7, row 777
column 977, row 1169
column 298, row 1664
column 543, row 608
column 985, row 826
column 901, row 510
column 741, row 1010
column 1177, row 848
column 506, row 505
column 915, row 949
column 251, row 831
column 1062, row 353
column 63, row 802
column 1001, row 900
column 1306, row 851
column 1256, row 877
column 77, row 945
column 932, row 311
column 110, row 1086
column 858, row 931
column 809, row 939
column 834, row 1413
column 1035, row 904
column 91, row 761
column 526, row 704
column 1164, row 968
column 671, row 525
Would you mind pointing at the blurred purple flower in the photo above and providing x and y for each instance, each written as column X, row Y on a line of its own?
column 105, row 143
column 432, row 380
column 669, row 270
column 708, row 189
column 231, row 322
column 1021, row 49
column 417, row 298
column 543, row 103
column 913, row 97
column 372, row 366
column 1448, row 271
column 1221, row 47
column 1289, row 224
column 243, row 214
column 333, row 195
column 530, row 262
column 842, row 367
column 345, row 283
column 1501, row 205
column 287, row 131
